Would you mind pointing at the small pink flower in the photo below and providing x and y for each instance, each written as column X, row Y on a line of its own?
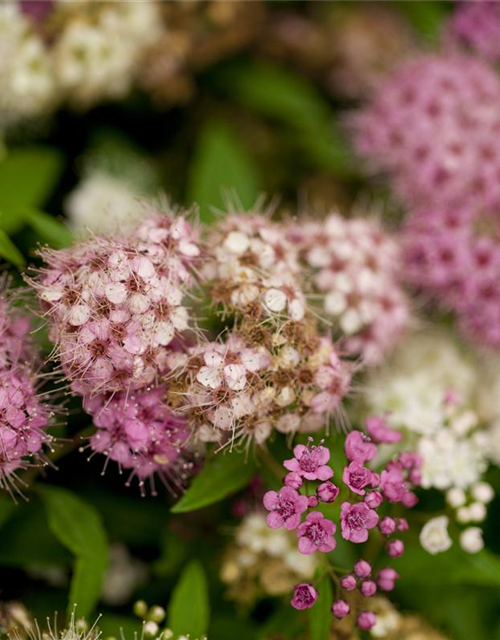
column 310, row 463
column 340, row 609
column 356, row 520
column 286, row 507
column 358, row 447
column 313, row 501
column 366, row 620
column 357, row 477
column 374, row 499
column 386, row 579
column 293, row 479
column 409, row 500
column 380, row 432
column 362, row 569
column 387, row 526
column 402, row 524
column 304, row 596
column 348, row 583
column 316, row 534
column 327, row 491
column 368, row 588
column 395, row 548
column 392, row 483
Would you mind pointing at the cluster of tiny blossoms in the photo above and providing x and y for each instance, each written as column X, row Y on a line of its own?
column 24, row 415
column 116, row 313
column 356, row 269
column 453, row 255
column 115, row 306
column 80, row 52
column 435, row 127
column 476, row 25
column 273, row 369
column 367, row 489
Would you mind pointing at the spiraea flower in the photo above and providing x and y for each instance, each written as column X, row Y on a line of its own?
column 453, row 257
column 24, row 413
column 142, row 435
column 355, row 268
column 262, row 561
column 116, row 306
column 435, row 126
column 476, row 26
column 358, row 519
column 254, row 269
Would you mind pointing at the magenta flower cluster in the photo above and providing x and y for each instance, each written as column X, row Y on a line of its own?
column 476, row 26
column 435, row 127
column 139, row 432
column 453, row 256
column 367, row 491
column 24, row 416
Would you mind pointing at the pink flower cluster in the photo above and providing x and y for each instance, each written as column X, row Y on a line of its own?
column 139, row 432
column 435, row 127
column 24, row 417
column 254, row 269
column 115, row 306
column 363, row 492
column 453, row 255
column 356, row 269
column 477, row 26
column 241, row 389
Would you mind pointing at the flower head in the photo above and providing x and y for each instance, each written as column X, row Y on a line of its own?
column 316, row 534
column 359, row 448
column 304, row 596
column 286, row 507
column 357, row 477
column 310, row 462
column 356, row 520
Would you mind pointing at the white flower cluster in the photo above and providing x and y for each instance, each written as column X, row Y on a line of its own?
column 103, row 204
column 91, row 55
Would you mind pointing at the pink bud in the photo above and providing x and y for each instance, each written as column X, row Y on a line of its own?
column 386, row 579
column 312, row 501
column 409, row 500
column 362, row 569
column 375, row 480
column 387, row 526
column 304, row 596
column 348, row 583
column 340, row 609
column 374, row 499
column 402, row 524
column 293, row 479
column 366, row 620
column 368, row 588
column 327, row 492
column 395, row 548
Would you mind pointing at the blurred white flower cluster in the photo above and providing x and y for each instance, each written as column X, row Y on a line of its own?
column 81, row 52
column 446, row 405
column 265, row 561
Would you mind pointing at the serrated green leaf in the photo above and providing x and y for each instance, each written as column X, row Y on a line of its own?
column 221, row 476
column 9, row 251
column 221, row 166
column 49, row 229
column 188, row 611
column 78, row 526
column 28, row 175
column 320, row 615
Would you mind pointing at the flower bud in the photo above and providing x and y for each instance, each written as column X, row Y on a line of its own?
column 482, row 492
column 366, row 620
column 362, row 569
column 471, row 540
column 395, row 548
column 387, row 526
column 340, row 609
column 374, row 499
column 327, row 492
column 456, row 497
column 368, row 588
column 348, row 583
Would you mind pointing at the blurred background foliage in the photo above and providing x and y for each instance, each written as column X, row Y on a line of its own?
column 257, row 119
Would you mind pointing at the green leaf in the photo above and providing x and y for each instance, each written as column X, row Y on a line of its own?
column 7, row 507
column 453, row 567
column 78, row 526
column 189, row 610
column 320, row 615
column 220, row 166
column 276, row 93
column 221, row 476
column 427, row 18
column 9, row 251
column 28, row 175
column 50, row 229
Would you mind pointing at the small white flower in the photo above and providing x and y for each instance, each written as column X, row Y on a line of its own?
column 275, row 300
column 482, row 492
column 237, row 242
column 434, row 536
column 477, row 512
column 464, row 515
column 456, row 497
column 471, row 540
